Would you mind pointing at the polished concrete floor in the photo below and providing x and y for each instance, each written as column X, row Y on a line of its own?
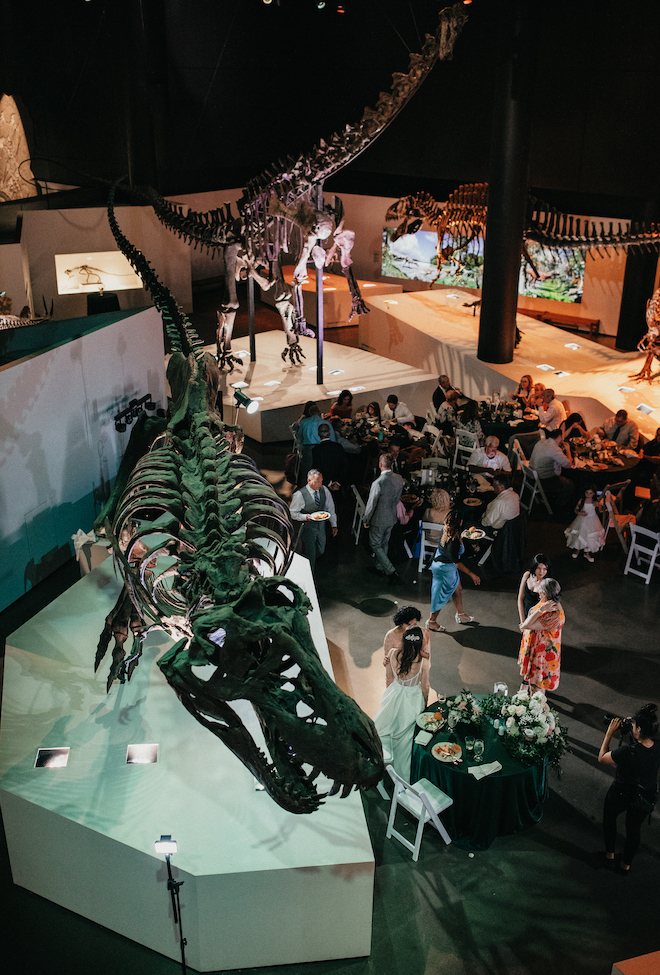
column 534, row 903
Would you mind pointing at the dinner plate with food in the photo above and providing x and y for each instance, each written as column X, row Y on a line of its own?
column 430, row 720
column 320, row 516
column 474, row 534
column 447, row 751
column 471, row 502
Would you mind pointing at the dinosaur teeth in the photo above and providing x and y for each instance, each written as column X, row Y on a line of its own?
column 336, row 786
column 345, row 791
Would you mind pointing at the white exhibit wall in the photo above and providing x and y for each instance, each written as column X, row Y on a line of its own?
column 59, row 450
column 12, row 280
column 46, row 233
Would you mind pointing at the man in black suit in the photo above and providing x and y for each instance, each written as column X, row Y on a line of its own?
column 329, row 458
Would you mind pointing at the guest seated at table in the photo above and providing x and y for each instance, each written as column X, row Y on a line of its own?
column 406, row 694
column 396, row 411
column 414, row 434
column 505, row 506
column 573, row 426
column 329, row 458
column 440, row 505
column 446, row 418
column 370, row 414
column 648, row 516
column 536, row 396
column 346, row 445
column 524, row 391
column 441, row 390
column 551, row 412
column 624, row 432
column 399, row 459
column 468, row 419
column 652, row 447
column 343, row 407
column 548, row 458
column 488, row 459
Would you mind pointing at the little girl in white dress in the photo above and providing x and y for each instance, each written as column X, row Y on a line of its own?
column 586, row 534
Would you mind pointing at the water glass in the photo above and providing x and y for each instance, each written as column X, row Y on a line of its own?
column 478, row 750
column 452, row 720
column 469, row 743
column 500, row 688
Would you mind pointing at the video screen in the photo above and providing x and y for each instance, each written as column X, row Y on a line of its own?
column 557, row 275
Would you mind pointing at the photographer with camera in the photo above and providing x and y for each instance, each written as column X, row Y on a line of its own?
column 635, row 788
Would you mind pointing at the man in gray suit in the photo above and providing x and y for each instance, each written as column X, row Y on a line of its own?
column 380, row 516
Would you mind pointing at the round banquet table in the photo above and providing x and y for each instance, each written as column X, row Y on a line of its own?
column 504, row 430
column 582, row 476
column 497, row 805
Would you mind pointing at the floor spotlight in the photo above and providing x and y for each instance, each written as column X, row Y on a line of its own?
column 167, row 846
column 249, row 405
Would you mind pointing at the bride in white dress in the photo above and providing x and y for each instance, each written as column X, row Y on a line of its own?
column 406, row 694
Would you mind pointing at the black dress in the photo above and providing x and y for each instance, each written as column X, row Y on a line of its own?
column 636, row 771
column 530, row 599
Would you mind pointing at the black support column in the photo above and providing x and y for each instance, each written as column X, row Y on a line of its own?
column 507, row 196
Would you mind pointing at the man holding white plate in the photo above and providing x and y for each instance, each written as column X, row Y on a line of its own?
column 314, row 506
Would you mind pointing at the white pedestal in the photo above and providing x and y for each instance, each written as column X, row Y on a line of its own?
column 262, row 886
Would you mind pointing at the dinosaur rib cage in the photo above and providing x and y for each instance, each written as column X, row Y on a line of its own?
column 194, row 523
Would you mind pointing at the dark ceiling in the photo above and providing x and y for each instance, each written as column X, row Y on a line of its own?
column 197, row 95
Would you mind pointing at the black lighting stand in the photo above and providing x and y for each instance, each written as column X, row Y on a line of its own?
column 133, row 410
column 173, row 887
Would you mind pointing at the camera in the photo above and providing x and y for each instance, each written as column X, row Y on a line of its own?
column 626, row 723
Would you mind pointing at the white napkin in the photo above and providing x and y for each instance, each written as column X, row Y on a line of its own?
column 484, row 483
column 514, row 423
column 81, row 539
column 423, row 737
column 480, row 771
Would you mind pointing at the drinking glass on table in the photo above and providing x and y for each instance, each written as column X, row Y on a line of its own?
column 478, row 750
column 469, row 743
column 452, row 720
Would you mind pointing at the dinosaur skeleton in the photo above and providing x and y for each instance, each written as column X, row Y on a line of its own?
column 202, row 542
column 650, row 344
column 279, row 211
column 463, row 219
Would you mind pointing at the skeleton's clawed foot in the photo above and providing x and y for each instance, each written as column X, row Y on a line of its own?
column 294, row 353
column 227, row 361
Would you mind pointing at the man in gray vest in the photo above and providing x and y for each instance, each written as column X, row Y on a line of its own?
column 380, row 516
column 305, row 503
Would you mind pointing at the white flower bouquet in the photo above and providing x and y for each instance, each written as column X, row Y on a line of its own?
column 532, row 728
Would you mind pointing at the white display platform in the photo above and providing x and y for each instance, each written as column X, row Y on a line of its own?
column 434, row 331
column 262, row 886
column 283, row 403
column 337, row 299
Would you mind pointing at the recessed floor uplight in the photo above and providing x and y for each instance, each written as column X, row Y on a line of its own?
column 273, row 382
column 141, row 754
column 333, row 392
column 356, row 389
column 239, row 355
column 546, row 368
column 572, row 345
column 453, row 296
column 390, row 301
column 561, row 373
column 337, row 372
column 369, row 284
column 626, row 389
column 239, row 385
column 52, row 758
column 643, row 408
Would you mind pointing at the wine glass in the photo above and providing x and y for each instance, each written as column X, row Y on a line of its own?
column 478, row 750
column 452, row 720
column 469, row 743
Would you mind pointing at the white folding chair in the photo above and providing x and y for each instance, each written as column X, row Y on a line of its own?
column 645, row 547
column 358, row 514
column 387, row 759
column 531, row 483
column 424, row 801
column 466, row 442
column 427, row 547
column 517, row 455
column 619, row 522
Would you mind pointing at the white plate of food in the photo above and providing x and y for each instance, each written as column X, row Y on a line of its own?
column 320, row 515
column 430, row 720
column 447, row 751
column 474, row 534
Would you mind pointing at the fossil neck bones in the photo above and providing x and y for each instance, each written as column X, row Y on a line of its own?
column 202, row 542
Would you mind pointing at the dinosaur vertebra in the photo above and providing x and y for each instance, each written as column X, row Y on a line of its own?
column 202, row 542
column 278, row 210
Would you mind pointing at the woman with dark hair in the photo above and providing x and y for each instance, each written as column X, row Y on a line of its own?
column 406, row 694
column 468, row 419
column 343, row 407
column 529, row 592
column 370, row 414
column 635, row 788
column 404, row 619
column 540, row 650
column 445, row 567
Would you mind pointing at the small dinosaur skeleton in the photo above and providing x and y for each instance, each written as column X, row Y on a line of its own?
column 463, row 219
column 650, row 344
column 279, row 211
column 202, row 542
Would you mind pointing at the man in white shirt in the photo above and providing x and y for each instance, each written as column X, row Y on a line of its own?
column 548, row 458
column 396, row 410
column 489, row 459
column 505, row 507
column 551, row 412
column 304, row 504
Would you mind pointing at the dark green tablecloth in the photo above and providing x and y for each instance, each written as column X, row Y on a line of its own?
column 501, row 803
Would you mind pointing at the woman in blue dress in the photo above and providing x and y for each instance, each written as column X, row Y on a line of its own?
column 445, row 568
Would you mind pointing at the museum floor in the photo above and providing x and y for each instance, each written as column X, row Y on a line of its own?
column 534, row 903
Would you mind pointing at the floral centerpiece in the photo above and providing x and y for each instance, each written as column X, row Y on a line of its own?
column 532, row 729
column 464, row 709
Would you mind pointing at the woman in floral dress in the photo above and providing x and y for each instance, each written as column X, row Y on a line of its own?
column 540, row 650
